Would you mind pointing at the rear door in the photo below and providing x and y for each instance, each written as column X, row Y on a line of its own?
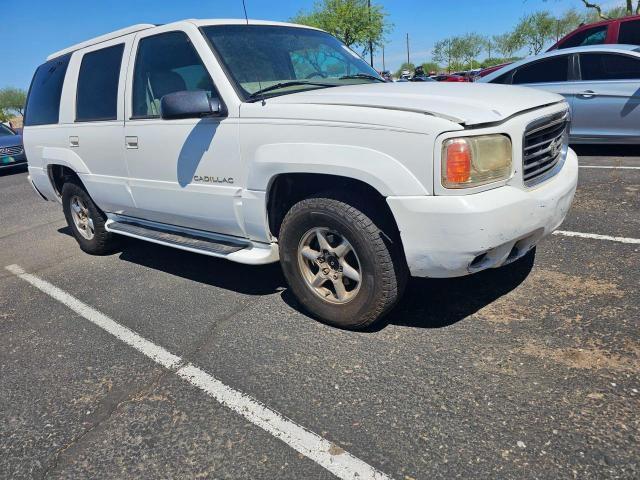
column 629, row 32
column 98, row 121
column 608, row 103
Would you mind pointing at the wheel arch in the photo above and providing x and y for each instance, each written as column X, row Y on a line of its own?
column 59, row 175
column 286, row 189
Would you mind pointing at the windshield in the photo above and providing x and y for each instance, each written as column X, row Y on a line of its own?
column 274, row 60
column 5, row 131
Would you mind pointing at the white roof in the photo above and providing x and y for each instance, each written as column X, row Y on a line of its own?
column 242, row 21
column 102, row 38
column 145, row 26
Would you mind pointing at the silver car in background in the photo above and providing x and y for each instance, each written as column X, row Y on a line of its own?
column 600, row 82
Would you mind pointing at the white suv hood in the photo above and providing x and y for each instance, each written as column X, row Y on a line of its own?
column 464, row 103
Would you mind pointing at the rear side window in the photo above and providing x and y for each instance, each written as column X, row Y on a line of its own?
column 166, row 63
column 553, row 69
column 608, row 66
column 590, row 36
column 629, row 32
column 43, row 102
column 97, row 95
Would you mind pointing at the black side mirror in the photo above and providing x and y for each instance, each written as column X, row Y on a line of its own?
column 190, row 104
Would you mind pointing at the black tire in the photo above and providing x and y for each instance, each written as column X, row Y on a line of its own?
column 383, row 266
column 103, row 242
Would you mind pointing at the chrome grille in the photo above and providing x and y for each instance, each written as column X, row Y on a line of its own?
column 544, row 147
column 11, row 151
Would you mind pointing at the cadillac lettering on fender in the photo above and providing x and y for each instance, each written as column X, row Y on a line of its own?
column 207, row 179
column 352, row 183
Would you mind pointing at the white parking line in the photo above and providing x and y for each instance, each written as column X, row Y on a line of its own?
column 596, row 236
column 326, row 454
column 613, row 167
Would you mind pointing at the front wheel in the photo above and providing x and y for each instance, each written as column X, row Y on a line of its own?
column 340, row 263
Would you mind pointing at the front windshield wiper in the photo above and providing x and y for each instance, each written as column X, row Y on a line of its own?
column 361, row 75
column 291, row 83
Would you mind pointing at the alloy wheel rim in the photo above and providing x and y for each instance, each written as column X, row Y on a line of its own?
column 329, row 265
column 81, row 218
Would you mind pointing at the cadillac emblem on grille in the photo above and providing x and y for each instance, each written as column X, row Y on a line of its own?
column 556, row 147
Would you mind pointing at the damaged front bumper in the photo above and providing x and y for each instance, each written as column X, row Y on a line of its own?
column 451, row 236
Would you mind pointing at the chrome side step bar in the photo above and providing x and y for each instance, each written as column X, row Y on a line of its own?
column 196, row 241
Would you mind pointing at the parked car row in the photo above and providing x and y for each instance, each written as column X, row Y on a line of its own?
column 625, row 30
column 601, row 83
column 11, row 149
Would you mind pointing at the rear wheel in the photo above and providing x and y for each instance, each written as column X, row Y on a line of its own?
column 86, row 221
column 340, row 263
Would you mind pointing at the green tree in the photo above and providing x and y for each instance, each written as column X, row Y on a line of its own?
column 507, row 43
column 472, row 45
column 535, row 31
column 490, row 44
column 405, row 66
column 442, row 53
column 430, row 67
column 350, row 20
column 12, row 100
column 567, row 22
column 452, row 52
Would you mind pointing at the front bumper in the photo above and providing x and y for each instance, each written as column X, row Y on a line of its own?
column 451, row 236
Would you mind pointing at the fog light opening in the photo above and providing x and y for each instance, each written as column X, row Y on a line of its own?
column 477, row 261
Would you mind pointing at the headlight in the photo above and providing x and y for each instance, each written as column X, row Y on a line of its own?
column 473, row 161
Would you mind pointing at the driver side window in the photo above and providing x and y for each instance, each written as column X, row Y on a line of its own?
column 166, row 63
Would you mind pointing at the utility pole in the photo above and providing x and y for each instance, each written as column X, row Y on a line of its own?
column 370, row 41
column 408, row 56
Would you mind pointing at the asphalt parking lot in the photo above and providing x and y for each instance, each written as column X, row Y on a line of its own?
column 530, row 371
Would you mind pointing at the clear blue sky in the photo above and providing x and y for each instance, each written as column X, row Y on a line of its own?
column 35, row 28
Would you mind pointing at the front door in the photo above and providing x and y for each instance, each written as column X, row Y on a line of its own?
column 182, row 172
column 551, row 74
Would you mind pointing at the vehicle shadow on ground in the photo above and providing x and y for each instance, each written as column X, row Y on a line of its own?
column 607, row 150
column 427, row 303
column 438, row 303
column 216, row 272
column 5, row 172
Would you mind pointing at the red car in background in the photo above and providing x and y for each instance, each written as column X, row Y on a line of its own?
column 449, row 78
column 625, row 30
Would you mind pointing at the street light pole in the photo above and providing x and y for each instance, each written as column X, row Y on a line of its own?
column 408, row 57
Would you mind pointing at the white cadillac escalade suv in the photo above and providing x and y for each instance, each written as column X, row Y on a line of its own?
column 260, row 141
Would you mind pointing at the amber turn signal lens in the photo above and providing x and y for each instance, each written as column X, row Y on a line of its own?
column 475, row 160
column 458, row 161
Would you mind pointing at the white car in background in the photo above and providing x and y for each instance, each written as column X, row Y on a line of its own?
column 600, row 82
column 267, row 141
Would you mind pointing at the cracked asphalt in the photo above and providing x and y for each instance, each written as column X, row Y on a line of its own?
column 530, row 371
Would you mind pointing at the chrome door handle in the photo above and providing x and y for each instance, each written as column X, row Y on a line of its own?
column 131, row 142
column 587, row 94
column 74, row 141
